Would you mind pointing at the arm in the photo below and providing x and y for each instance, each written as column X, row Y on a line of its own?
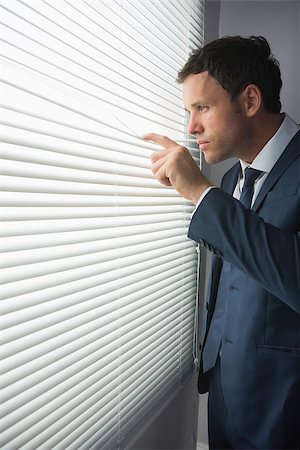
column 269, row 255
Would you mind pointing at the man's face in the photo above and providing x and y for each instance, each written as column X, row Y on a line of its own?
column 220, row 125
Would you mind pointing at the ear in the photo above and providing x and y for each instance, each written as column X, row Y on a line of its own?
column 252, row 99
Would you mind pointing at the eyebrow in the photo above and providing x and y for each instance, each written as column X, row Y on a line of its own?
column 199, row 102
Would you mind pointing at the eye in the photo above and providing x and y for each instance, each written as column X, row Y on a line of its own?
column 201, row 108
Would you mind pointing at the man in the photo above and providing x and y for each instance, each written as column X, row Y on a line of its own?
column 250, row 359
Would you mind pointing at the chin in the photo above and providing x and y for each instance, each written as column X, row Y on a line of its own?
column 211, row 159
column 214, row 158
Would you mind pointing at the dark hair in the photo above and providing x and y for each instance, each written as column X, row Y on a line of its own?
column 235, row 62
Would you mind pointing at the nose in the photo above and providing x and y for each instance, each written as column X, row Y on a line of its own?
column 194, row 125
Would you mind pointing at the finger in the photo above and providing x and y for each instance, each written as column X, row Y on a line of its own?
column 156, row 156
column 158, row 161
column 159, row 139
column 159, row 171
column 160, row 175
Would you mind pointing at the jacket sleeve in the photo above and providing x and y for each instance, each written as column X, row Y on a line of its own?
column 266, row 253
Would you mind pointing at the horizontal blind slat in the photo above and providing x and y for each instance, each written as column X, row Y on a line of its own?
column 108, row 305
column 42, row 227
column 18, row 116
column 20, row 243
column 53, row 213
column 102, row 272
column 47, row 264
column 84, row 287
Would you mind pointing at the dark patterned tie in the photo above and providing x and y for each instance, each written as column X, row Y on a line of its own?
column 248, row 188
column 212, row 344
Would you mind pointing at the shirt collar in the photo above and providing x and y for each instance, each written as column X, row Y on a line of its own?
column 271, row 152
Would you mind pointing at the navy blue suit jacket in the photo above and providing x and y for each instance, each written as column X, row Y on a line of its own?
column 260, row 360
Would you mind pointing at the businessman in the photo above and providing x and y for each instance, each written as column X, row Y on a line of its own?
column 250, row 356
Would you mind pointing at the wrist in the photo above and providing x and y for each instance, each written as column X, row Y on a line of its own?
column 200, row 191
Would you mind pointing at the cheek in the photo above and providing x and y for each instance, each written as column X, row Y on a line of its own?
column 230, row 130
column 224, row 129
column 216, row 124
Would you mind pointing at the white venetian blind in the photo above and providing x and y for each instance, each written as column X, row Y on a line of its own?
column 98, row 277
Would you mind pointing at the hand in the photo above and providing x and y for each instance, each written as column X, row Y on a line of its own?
column 174, row 166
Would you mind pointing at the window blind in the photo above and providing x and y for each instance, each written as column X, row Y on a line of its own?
column 98, row 277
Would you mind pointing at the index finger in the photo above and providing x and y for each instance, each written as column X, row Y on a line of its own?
column 159, row 139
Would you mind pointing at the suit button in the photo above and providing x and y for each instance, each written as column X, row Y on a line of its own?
column 234, row 288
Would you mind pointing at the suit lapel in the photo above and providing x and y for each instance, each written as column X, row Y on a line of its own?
column 291, row 152
column 229, row 181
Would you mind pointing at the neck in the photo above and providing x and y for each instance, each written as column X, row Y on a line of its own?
column 263, row 129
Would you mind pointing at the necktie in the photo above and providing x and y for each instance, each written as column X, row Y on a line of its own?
column 248, row 188
column 212, row 344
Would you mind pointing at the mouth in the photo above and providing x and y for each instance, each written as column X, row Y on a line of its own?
column 202, row 144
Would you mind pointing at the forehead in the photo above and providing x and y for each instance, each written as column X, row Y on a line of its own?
column 201, row 88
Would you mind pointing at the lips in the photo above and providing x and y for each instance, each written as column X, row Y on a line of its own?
column 202, row 144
